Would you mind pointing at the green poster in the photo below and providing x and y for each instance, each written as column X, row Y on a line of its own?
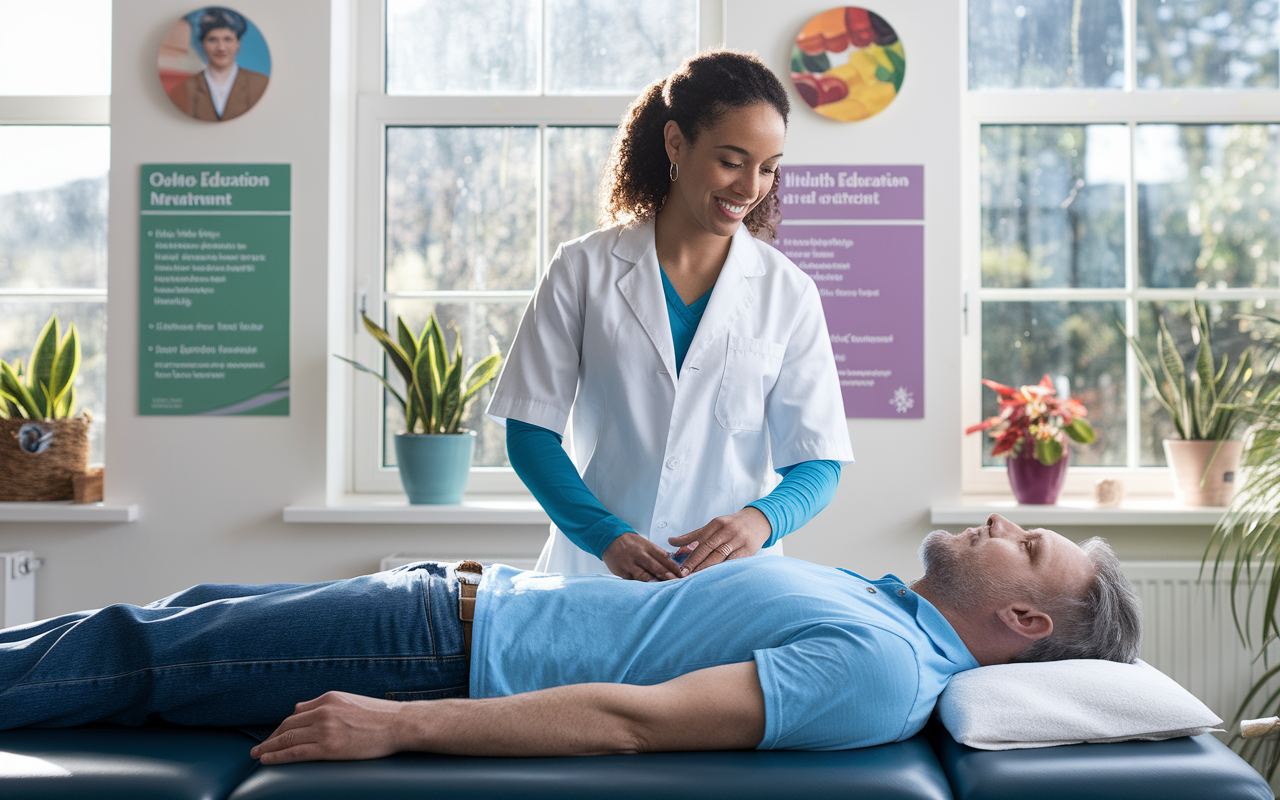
column 213, row 332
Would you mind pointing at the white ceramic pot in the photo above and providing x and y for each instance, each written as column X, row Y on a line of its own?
column 1204, row 471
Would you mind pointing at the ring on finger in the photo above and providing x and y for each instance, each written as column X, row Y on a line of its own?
column 725, row 549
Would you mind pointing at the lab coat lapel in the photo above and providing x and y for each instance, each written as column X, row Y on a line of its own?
column 642, row 289
column 732, row 296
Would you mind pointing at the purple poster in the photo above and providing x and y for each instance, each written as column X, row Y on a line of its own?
column 870, row 276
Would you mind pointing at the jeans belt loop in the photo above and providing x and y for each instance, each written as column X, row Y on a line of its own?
column 468, row 574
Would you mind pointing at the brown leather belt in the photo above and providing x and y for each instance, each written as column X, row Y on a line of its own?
column 468, row 573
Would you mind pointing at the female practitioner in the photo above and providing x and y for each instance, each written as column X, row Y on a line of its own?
column 681, row 359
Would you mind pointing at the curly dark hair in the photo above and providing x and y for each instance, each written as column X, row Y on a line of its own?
column 696, row 96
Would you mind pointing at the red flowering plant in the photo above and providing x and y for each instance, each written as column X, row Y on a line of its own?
column 1035, row 414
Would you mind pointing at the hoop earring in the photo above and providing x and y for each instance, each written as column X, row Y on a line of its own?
column 674, row 172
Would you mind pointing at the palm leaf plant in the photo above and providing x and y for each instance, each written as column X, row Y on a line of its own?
column 1246, row 542
column 44, row 387
column 437, row 394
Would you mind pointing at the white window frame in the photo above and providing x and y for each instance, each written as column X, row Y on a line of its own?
column 375, row 112
column 79, row 110
column 1079, row 107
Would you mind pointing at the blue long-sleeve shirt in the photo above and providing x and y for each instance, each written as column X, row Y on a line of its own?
column 538, row 458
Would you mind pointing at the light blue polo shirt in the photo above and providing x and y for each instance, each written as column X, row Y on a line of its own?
column 843, row 661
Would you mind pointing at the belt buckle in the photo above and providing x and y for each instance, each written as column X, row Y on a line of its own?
column 469, row 571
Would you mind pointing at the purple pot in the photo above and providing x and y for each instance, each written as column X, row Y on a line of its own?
column 1032, row 482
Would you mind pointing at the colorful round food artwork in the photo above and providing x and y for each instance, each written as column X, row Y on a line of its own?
column 848, row 63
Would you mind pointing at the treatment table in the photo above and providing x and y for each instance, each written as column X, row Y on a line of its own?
column 153, row 762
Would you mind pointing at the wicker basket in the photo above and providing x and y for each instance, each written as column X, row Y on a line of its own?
column 30, row 477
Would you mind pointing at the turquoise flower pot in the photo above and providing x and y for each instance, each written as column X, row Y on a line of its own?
column 434, row 467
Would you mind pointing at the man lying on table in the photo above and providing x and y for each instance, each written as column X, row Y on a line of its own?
column 769, row 653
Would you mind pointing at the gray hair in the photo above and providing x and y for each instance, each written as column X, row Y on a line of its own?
column 1104, row 622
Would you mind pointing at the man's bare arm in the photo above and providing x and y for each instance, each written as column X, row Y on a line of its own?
column 719, row 708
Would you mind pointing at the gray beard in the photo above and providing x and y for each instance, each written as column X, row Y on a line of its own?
column 951, row 583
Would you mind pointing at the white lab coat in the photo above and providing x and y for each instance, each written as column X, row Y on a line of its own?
column 594, row 361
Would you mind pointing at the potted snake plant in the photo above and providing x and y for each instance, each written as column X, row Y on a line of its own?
column 43, row 444
column 1205, row 403
column 434, row 450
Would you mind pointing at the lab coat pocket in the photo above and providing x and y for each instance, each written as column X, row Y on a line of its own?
column 750, row 370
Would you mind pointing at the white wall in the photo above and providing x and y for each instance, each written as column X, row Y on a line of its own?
column 211, row 490
column 881, row 511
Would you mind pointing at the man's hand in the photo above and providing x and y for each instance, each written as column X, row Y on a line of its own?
column 732, row 536
column 634, row 557
column 335, row 726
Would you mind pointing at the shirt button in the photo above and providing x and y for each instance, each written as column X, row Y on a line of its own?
column 672, row 463
column 902, row 593
column 662, row 524
column 871, row 589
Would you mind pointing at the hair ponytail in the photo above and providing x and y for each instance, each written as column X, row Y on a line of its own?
column 634, row 182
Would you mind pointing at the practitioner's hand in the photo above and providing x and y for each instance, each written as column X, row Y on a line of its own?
column 335, row 726
column 636, row 558
column 731, row 536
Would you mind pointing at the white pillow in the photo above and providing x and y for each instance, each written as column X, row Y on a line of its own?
column 1017, row 706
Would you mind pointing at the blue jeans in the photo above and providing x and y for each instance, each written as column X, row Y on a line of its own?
column 238, row 655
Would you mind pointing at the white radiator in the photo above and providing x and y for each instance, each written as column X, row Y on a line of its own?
column 1189, row 635
column 18, row 588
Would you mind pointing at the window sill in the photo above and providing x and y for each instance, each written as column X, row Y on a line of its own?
column 1082, row 511
column 392, row 509
column 67, row 511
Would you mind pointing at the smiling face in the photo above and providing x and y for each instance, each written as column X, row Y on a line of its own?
column 728, row 170
column 1000, row 562
column 221, row 46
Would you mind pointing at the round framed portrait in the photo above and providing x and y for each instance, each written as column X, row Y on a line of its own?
column 848, row 63
column 214, row 64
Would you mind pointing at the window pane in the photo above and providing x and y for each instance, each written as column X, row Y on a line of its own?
column 1220, row 44
column 1208, row 205
column 462, row 47
column 1046, row 44
column 20, row 323
column 575, row 161
column 477, row 322
column 1229, row 334
column 1053, row 205
column 1078, row 346
column 610, row 46
column 461, row 208
column 53, row 207
column 61, row 48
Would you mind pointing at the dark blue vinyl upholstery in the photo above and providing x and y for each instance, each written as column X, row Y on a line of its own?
column 118, row 763
column 115, row 763
column 901, row 771
column 1188, row 768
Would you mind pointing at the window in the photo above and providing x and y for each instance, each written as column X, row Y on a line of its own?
column 55, row 82
column 481, row 136
column 1122, row 158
